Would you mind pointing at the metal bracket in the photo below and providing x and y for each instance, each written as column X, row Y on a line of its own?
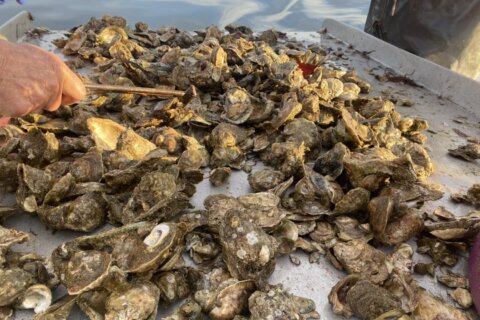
column 16, row 27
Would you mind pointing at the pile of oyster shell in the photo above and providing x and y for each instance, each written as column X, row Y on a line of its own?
column 343, row 169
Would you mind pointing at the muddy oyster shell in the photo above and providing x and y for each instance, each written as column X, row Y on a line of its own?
column 331, row 162
column 248, row 251
column 349, row 229
column 469, row 152
column 266, row 179
column 154, row 191
column 176, row 285
column 300, row 130
column 202, row 247
column 430, row 307
column 138, row 302
column 85, row 213
column 219, row 176
column 369, row 301
column 9, row 237
column 187, row 310
column 89, row 167
column 358, row 257
column 287, row 157
column 33, row 185
column 370, row 170
column 392, row 223
column 356, row 296
column 60, row 190
column 77, row 279
column 275, row 303
column 262, row 208
column 37, row 147
column 314, row 186
column 226, row 140
column 14, row 282
column 353, row 201
column 238, row 106
column 227, row 300
column 472, row 196
column 290, row 108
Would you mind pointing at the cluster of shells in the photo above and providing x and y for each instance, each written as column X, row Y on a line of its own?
column 342, row 171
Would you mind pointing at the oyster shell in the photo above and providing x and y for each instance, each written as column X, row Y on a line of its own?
column 9, row 237
column 430, row 307
column 227, row 300
column 353, row 201
column 469, row 152
column 109, row 135
column 37, row 148
column 369, row 301
column 134, row 248
column 472, row 196
column 85, row 213
column 266, row 179
column 462, row 297
column 14, row 283
column 331, row 162
column 176, row 285
column 275, row 303
column 248, row 251
column 358, row 257
column 37, row 297
column 60, row 190
column 153, row 192
column 202, row 247
column 60, row 310
column 89, row 167
column 139, row 302
column 77, row 279
column 219, row 176
column 33, row 185
column 238, row 106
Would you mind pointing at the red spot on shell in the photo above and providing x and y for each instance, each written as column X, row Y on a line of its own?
column 306, row 68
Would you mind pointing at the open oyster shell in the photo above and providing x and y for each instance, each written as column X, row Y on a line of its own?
column 135, row 248
column 109, row 135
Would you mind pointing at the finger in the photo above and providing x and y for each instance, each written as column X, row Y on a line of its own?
column 73, row 87
column 55, row 103
column 4, row 121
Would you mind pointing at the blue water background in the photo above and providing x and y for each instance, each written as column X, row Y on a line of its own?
column 285, row 15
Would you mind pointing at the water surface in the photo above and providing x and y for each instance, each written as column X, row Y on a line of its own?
column 285, row 15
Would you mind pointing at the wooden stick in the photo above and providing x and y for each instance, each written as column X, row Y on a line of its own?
column 135, row 90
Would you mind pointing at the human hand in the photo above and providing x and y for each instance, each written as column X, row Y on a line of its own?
column 33, row 79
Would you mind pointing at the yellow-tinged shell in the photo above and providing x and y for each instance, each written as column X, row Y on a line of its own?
column 108, row 34
column 105, row 132
column 109, row 135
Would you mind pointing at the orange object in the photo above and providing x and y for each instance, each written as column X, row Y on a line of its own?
column 307, row 69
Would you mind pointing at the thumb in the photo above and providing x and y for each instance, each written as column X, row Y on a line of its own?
column 4, row 121
column 73, row 87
